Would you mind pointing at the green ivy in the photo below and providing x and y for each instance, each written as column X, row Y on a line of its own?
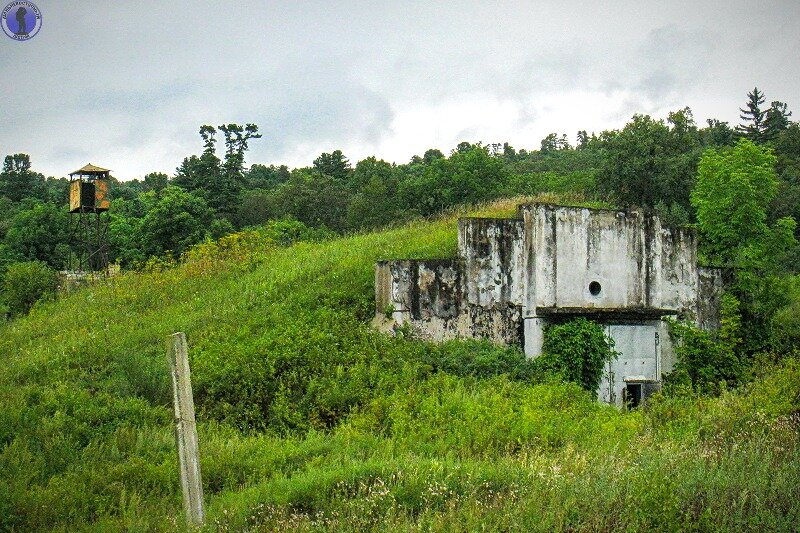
column 577, row 351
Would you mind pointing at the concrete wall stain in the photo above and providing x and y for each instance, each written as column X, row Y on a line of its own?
column 512, row 277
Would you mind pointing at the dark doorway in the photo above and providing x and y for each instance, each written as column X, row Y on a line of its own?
column 632, row 395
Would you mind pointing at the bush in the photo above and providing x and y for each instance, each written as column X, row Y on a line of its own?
column 785, row 324
column 288, row 231
column 26, row 283
column 709, row 363
column 577, row 350
column 481, row 359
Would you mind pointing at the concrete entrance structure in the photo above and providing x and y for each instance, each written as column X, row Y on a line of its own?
column 512, row 277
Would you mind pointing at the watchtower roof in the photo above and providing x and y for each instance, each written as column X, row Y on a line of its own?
column 90, row 170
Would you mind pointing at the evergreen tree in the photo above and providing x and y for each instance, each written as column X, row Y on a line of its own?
column 334, row 165
column 231, row 181
column 219, row 183
column 718, row 133
column 753, row 117
column 776, row 119
column 198, row 174
column 583, row 139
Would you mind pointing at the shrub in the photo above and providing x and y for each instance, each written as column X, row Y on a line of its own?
column 288, row 231
column 785, row 324
column 481, row 359
column 709, row 363
column 577, row 350
column 26, row 283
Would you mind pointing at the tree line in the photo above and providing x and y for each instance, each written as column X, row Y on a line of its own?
column 650, row 163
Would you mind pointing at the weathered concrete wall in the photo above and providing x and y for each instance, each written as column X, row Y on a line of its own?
column 711, row 282
column 514, row 276
column 640, row 358
column 419, row 290
column 493, row 254
column 629, row 260
column 478, row 295
column 609, row 265
column 573, row 247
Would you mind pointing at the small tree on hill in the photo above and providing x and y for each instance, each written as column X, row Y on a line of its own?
column 177, row 221
column 734, row 189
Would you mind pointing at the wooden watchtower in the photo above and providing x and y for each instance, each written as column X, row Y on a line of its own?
column 88, row 201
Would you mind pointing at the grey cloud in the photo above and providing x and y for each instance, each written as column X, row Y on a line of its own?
column 113, row 79
column 670, row 59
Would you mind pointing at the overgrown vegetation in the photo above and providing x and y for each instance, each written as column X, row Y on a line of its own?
column 577, row 351
column 311, row 420
column 308, row 419
column 26, row 283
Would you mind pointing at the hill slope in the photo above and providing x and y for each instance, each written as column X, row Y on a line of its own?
column 308, row 419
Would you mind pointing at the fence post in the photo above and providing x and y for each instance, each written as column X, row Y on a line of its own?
column 185, row 429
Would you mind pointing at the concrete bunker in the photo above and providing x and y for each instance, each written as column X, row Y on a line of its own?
column 511, row 277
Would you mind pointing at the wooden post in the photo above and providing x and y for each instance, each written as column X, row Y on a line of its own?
column 185, row 429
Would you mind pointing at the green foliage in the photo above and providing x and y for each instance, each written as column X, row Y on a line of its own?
column 718, row 133
column 41, row 233
column 200, row 174
column 674, row 215
column 576, row 182
column 376, row 203
column 650, row 161
column 18, row 181
column 267, row 177
column 7, row 257
column 218, row 182
column 469, row 175
column 776, row 120
column 220, row 227
column 709, row 363
column 752, row 126
column 177, row 221
column 360, row 431
column 784, row 328
column 578, row 351
column 26, row 283
column 155, row 181
column 255, row 208
column 481, row 359
column 334, row 165
column 287, row 231
column 733, row 190
column 312, row 198
column 553, row 142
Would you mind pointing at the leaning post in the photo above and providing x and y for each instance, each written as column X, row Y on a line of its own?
column 185, row 429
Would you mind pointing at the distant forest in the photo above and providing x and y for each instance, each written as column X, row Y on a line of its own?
column 650, row 163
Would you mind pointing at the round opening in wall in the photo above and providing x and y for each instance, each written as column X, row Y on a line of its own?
column 594, row 288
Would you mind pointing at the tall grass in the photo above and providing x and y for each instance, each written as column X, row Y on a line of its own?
column 310, row 420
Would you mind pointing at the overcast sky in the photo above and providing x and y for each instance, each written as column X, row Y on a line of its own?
column 126, row 85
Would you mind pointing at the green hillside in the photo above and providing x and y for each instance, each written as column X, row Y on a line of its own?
column 309, row 420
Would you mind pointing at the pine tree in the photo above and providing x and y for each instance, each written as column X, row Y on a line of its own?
column 776, row 119
column 753, row 117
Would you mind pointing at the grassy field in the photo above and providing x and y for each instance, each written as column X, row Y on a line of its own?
column 309, row 420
